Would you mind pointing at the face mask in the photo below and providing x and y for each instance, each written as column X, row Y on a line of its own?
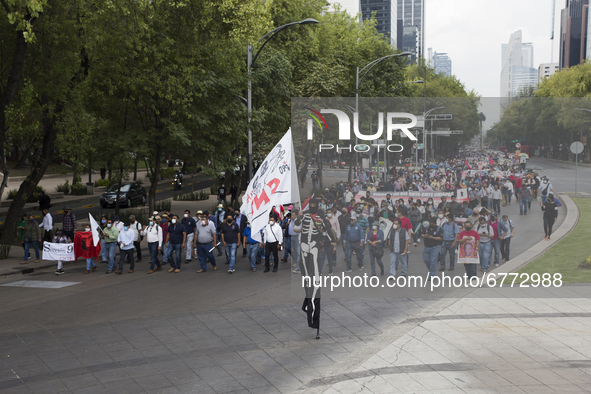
column 313, row 210
column 220, row 209
column 125, row 228
column 108, row 225
column 204, row 223
column 430, row 203
column 374, row 227
column 395, row 226
column 151, row 223
column 103, row 221
column 86, row 229
column 173, row 221
column 271, row 222
column 468, row 228
column 329, row 215
column 59, row 234
column 440, row 216
column 163, row 221
column 186, row 215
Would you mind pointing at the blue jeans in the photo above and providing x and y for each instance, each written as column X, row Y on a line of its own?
column 395, row 258
column 430, row 258
column 251, row 251
column 123, row 254
column 523, row 204
column 372, row 262
column 296, row 251
column 153, row 248
column 415, row 235
column 165, row 253
column 111, row 250
column 446, row 246
column 203, row 252
column 89, row 264
column 287, row 247
column 496, row 246
column 325, row 254
column 354, row 246
column 28, row 246
column 175, row 249
column 219, row 247
column 485, row 252
column 104, row 254
column 231, row 253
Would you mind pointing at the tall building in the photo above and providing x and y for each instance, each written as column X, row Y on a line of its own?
column 411, row 13
column 517, row 72
column 573, row 33
column 385, row 15
column 547, row 69
column 442, row 63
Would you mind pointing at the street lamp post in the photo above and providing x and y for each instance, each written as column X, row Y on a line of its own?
column 369, row 67
column 250, row 61
column 424, row 139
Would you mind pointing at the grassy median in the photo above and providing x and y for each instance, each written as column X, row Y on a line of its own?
column 569, row 256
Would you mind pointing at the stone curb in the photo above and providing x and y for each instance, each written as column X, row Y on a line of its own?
column 569, row 223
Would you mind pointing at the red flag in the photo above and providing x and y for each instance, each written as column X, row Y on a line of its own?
column 306, row 202
column 467, row 165
column 491, row 162
column 84, row 246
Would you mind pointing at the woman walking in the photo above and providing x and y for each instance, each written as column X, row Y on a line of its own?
column 375, row 240
column 60, row 238
column 550, row 208
column 32, row 237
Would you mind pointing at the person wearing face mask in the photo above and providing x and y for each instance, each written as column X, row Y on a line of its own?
column 204, row 241
column 398, row 243
column 545, row 189
column 153, row 234
column 32, row 237
column 332, row 218
column 175, row 239
column 252, row 247
column 375, row 240
column 486, row 233
column 440, row 218
column 117, row 223
column 222, row 194
column 110, row 235
column 468, row 234
column 450, row 240
column 165, row 251
column 415, row 220
column 104, row 255
column 433, row 237
column 286, row 237
column 273, row 240
column 431, row 208
column 125, row 241
column 220, row 216
column 230, row 238
column 507, row 230
column 137, row 228
column 60, row 238
column 80, row 239
column 353, row 241
column 190, row 226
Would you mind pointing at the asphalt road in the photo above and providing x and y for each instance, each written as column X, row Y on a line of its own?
column 71, row 329
column 562, row 174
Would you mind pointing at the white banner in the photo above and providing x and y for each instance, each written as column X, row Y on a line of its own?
column 274, row 184
column 62, row 252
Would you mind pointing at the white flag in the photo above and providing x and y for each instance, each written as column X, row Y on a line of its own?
column 94, row 227
column 274, row 184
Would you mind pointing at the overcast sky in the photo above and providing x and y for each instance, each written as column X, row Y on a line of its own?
column 471, row 33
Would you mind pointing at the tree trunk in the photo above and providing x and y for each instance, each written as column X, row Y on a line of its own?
column 23, row 158
column 135, row 169
column 38, row 168
column 154, row 178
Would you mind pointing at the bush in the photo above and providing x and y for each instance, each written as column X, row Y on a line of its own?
column 103, row 182
column 63, row 188
column 4, row 252
column 78, row 189
column 195, row 196
column 34, row 197
column 167, row 173
column 140, row 215
column 163, row 205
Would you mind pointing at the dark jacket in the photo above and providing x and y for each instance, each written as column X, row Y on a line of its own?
column 32, row 229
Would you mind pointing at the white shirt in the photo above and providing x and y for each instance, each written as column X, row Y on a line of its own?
column 136, row 228
column 119, row 226
column 153, row 234
column 497, row 194
column 348, row 196
column 126, row 238
column 273, row 233
column 509, row 186
column 486, row 229
column 47, row 224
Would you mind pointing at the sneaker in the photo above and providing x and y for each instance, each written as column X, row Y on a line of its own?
column 274, row 269
column 296, row 271
column 360, row 268
column 414, row 244
column 187, row 261
column 496, row 264
column 108, row 272
column 57, row 272
column 62, row 272
column 347, row 270
column 231, row 271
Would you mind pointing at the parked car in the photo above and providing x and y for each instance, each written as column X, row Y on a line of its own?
column 130, row 192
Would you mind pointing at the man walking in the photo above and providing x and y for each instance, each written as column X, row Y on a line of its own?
column 125, row 241
column 507, row 229
column 433, row 238
column 190, row 226
column 69, row 223
column 153, row 233
column 219, row 220
column 524, row 200
column 273, row 241
column 230, row 239
column 468, row 234
column 398, row 242
column 110, row 236
column 44, row 201
column 450, row 240
column 252, row 247
column 175, row 239
column 137, row 228
column 486, row 234
column 205, row 240
column 496, row 199
column 47, row 225
column 495, row 241
column 222, row 195
column 353, row 241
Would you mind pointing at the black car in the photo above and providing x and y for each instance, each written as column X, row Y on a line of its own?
column 130, row 192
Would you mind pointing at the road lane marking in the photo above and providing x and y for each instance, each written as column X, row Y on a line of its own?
column 44, row 284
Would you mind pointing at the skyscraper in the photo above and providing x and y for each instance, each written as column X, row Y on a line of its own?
column 573, row 33
column 385, row 15
column 411, row 13
column 517, row 72
column 442, row 63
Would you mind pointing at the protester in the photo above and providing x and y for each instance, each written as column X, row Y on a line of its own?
column 353, row 241
column 433, row 238
column 274, row 240
column 450, row 239
column 90, row 266
column 46, row 225
column 190, row 226
column 496, row 240
column 153, row 234
column 204, row 242
column 69, row 223
column 44, row 201
column 252, row 247
column 60, row 238
column 231, row 238
column 32, row 237
column 125, row 241
column 375, row 240
column 398, row 243
column 176, row 238
column 468, row 234
column 507, row 230
column 550, row 208
column 486, row 233
column 137, row 229
column 20, row 230
column 111, row 236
